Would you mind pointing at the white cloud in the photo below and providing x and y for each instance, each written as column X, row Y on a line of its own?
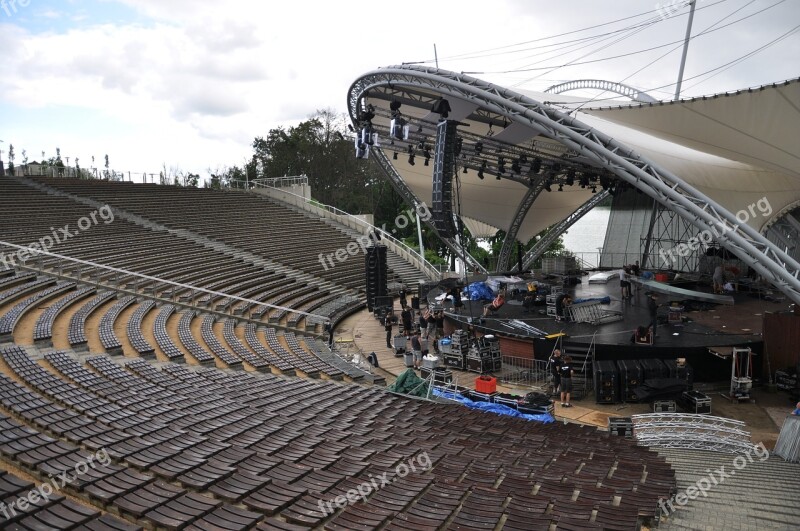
column 198, row 80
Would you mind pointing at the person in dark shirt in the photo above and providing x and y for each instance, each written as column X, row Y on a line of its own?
column 387, row 325
column 439, row 325
column 405, row 315
column 562, row 302
column 652, row 307
column 403, row 301
column 423, row 324
column 457, row 304
column 566, row 371
column 555, row 364
column 416, row 350
column 329, row 330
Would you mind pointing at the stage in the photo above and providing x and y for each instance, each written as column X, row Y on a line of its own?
column 701, row 325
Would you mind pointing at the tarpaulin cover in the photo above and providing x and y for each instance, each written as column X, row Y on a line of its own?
column 498, row 409
column 408, row 383
column 479, row 291
column 660, row 388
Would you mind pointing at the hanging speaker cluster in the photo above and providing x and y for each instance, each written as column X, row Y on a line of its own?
column 377, row 270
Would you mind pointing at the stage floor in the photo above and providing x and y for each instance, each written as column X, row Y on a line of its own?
column 719, row 325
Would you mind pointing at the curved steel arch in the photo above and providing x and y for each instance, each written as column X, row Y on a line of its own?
column 519, row 216
column 600, row 84
column 657, row 182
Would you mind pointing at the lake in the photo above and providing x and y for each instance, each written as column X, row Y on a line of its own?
column 587, row 234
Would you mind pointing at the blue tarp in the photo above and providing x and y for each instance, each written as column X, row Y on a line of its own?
column 498, row 409
column 479, row 291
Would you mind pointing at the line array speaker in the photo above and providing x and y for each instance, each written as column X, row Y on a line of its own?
column 377, row 271
column 443, row 168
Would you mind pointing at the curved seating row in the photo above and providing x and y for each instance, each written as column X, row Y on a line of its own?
column 108, row 337
column 251, row 337
column 165, row 343
column 229, row 334
column 279, row 446
column 134, row 328
column 9, row 319
column 189, row 342
column 43, row 330
column 77, row 323
column 227, row 357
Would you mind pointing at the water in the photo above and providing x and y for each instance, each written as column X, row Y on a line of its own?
column 588, row 234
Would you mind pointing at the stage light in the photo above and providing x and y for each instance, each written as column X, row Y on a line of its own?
column 536, row 167
column 547, row 185
column 411, row 159
column 395, row 107
column 594, row 189
column 394, row 155
column 427, row 153
column 560, row 187
column 478, row 146
column 584, row 180
column 442, row 108
column 480, row 170
column 570, row 177
column 515, row 166
column 501, row 165
column 368, row 114
column 465, row 170
column 523, row 159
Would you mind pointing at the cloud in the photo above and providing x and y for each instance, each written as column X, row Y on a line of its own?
column 200, row 79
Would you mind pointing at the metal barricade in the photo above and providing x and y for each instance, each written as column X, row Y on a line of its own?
column 525, row 372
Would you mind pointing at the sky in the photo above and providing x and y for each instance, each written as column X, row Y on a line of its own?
column 187, row 85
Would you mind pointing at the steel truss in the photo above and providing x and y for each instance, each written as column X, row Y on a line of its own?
column 599, row 84
column 513, row 229
column 603, row 151
column 692, row 431
column 559, row 228
column 400, row 186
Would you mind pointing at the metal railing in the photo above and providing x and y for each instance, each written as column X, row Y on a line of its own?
column 349, row 220
column 526, row 372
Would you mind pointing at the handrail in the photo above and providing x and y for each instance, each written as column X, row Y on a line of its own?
column 314, row 206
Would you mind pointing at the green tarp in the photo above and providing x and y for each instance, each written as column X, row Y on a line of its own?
column 408, row 383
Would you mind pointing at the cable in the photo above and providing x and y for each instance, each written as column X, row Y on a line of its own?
column 573, row 63
column 703, row 32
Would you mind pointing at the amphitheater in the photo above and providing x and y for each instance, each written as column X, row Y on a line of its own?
column 182, row 341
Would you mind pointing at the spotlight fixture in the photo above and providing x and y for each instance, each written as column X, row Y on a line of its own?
column 501, row 166
column 395, row 107
column 515, row 166
column 547, row 184
column 570, row 177
column 594, row 189
column 464, row 171
column 480, row 170
column 523, row 159
column 478, row 146
column 411, row 159
column 442, row 108
column 584, row 180
column 427, row 153
column 536, row 167
column 394, row 156
column 560, row 187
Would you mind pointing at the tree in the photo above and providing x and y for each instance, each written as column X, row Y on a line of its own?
column 106, row 173
column 11, row 158
column 24, row 157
